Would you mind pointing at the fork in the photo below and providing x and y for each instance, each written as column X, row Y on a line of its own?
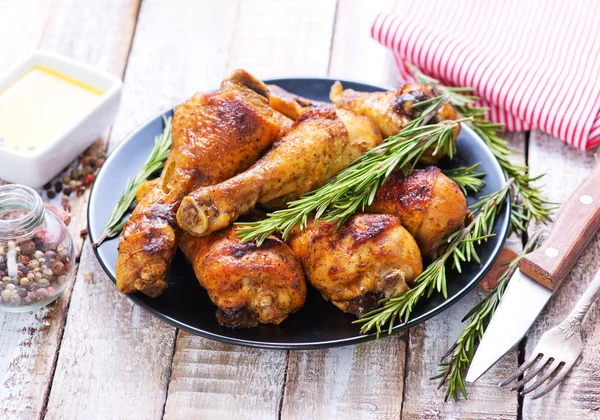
column 559, row 347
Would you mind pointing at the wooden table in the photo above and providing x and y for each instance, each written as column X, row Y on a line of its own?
column 93, row 354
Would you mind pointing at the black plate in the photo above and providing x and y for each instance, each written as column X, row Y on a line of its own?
column 186, row 305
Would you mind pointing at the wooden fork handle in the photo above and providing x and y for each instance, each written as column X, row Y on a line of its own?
column 575, row 224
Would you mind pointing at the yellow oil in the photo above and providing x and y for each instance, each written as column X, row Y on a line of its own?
column 40, row 106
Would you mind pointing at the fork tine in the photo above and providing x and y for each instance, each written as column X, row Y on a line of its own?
column 531, row 373
column 542, row 378
column 557, row 379
column 520, row 371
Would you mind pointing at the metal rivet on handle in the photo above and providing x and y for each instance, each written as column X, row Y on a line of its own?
column 551, row 252
column 586, row 199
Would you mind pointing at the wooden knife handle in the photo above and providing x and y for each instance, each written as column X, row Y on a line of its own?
column 575, row 224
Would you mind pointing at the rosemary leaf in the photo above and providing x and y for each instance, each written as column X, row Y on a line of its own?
column 467, row 178
column 155, row 162
column 454, row 365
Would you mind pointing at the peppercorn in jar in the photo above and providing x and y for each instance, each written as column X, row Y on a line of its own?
column 36, row 251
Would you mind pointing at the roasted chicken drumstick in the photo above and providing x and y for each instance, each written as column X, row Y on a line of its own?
column 248, row 284
column 321, row 142
column 370, row 257
column 215, row 136
column 429, row 204
column 391, row 110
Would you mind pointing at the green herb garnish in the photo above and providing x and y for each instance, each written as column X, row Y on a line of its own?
column 454, row 365
column 466, row 177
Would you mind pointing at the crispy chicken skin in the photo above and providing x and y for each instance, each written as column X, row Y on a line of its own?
column 391, row 110
column 430, row 205
column 215, row 136
column 320, row 144
column 248, row 284
column 370, row 257
column 291, row 105
column 285, row 124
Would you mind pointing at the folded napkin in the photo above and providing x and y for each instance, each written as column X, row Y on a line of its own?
column 536, row 64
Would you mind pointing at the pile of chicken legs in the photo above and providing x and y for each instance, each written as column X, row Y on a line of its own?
column 250, row 147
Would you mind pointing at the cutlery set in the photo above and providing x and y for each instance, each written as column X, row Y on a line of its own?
column 539, row 275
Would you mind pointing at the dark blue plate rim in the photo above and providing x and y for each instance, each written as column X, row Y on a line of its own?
column 485, row 267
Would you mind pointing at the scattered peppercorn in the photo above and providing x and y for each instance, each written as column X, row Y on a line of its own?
column 51, row 194
column 58, row 186
column 47, row 186
column 88, row 180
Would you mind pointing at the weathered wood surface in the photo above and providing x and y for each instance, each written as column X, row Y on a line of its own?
column 213, row 380
column 362, row 381
column 578, row 397
column 354, row 54
column 29, row 342
column 272, row 38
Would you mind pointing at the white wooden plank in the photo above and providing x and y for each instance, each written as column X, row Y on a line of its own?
column 363, row 381
column 22, row 22
column 431, row 340
column 216, row 380
column 128, row 352
column 354, row 54
column 268, row 39
column 29, row 342
column 281, row 38
column 578, row 397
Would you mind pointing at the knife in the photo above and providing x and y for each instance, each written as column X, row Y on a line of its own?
column 539, row 275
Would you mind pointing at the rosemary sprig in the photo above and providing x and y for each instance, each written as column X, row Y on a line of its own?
column 455, row 363
column 466, row 177
column 354, row 188
column 460, row 249
column 155, row 162
column 529, row 203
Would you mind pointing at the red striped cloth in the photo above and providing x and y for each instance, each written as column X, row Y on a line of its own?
column 536, row 64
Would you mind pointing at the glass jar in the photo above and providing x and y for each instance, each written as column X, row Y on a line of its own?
column 36, row 251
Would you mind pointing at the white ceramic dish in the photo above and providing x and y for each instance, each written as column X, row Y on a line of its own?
column 35, row 168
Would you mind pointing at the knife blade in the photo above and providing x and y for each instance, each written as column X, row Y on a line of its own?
column 540, row 273
column 526, row 298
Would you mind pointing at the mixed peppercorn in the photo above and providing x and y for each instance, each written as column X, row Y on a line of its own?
column 32, row 271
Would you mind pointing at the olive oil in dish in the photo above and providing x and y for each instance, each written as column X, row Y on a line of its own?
column 40, row 106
